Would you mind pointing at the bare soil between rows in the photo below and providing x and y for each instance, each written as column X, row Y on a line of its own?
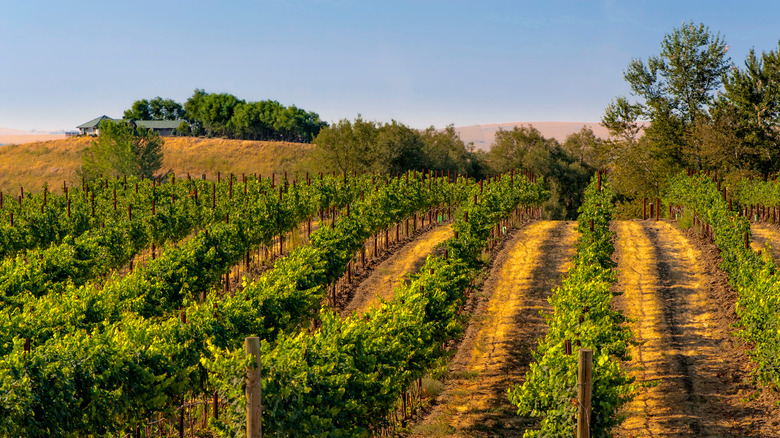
column 504, row 327
column 698, row 372
column 766, row 233
column 386, row 275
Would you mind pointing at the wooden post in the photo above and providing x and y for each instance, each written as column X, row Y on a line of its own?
column 181, row 422
column 584, row 390
column 644, row 209
column 254, row 425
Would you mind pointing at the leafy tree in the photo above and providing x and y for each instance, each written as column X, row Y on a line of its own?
column 347, row 146
column 156, row 109
column 302, row 125
column 621, row 118
column 750, row 109
column 250, row 121
column 398, row 148
column 585, row 147
column 676, row 88
column 722, row 139
column 211, row 112
column 524, row 147
column 444, row 150
column 393, row 147
column 122, row 149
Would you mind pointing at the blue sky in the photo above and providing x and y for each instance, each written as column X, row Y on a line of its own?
column 421, row 62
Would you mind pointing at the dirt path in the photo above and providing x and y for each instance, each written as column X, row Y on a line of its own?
column 764, row 233
column 497, row 345
column 408, row 259
column 685, row 347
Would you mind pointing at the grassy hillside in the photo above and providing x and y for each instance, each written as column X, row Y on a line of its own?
column 30, row 165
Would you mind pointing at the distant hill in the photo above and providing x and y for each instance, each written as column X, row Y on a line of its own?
column 33, row 164
column 482, row 135
column 9, row 131
column 15, row 136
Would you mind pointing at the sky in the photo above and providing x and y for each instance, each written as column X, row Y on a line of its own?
column 422, row 63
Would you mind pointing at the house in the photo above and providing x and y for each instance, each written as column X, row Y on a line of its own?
column 163, row 127
column 91, row 127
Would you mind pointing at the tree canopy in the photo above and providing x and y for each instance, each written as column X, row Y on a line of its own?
column 675, row 89
column 701, row 112
column 368, row 146
column 225, row 115
column 566, row 175
column 155, row 109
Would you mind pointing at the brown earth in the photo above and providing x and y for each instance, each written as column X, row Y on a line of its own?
column 764, row 234
column 696, row 371
column 382, row 281
column 504, row 328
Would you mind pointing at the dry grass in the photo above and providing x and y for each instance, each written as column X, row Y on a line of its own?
column 33, row 164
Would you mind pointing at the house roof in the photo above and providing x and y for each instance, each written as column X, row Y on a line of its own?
column 158, row 124
column 94, row 122
column 149, row 124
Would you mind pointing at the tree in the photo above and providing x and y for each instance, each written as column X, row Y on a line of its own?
column 211, row 112
column 751, row 102
column 444, row 150
column 677, row 87
column 347, row 146
column 524, row 147
column 398, row 148
column 248, row 122
column 393, row 147
column 122, row 149
column 156, row 109
column 621, row 119
column 585, row 147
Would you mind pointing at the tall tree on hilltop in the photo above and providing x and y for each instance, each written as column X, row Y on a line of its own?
column 399, row 148
column 155, row 109
column 676, row 88
column 751, row 102
column 211, row 112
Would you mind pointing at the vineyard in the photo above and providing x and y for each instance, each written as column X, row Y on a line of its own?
column 418, row 304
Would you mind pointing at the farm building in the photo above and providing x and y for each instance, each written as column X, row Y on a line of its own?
column 163, row 127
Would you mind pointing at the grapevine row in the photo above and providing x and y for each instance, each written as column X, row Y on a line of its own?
column 754, row 277
column 133, row 366
column 582, row 317
column 347, row 377
column 100, row 250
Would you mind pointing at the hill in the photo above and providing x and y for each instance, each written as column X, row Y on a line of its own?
column 15, row 136
column 9, row 131
column 482, row 135
column 33, row 164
